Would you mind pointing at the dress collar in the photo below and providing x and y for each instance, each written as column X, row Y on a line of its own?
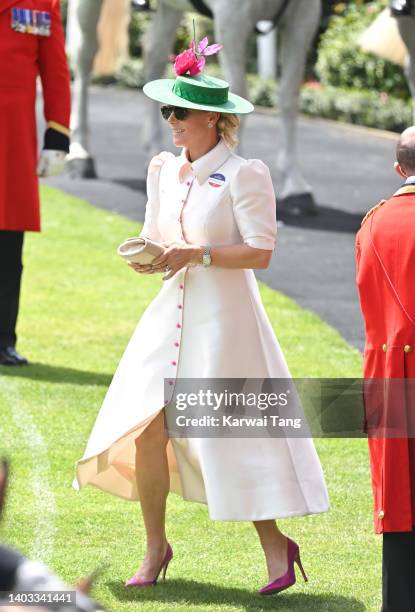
column 207, row 164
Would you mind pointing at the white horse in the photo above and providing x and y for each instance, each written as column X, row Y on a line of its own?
column 406, row 25
column 394, row 39
column 234, row 20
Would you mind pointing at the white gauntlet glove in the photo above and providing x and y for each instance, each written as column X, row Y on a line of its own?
column 51, row 162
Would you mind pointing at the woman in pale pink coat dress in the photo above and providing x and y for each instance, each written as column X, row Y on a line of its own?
column 216, row 212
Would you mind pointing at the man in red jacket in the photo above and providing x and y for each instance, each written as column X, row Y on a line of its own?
column 385, row 250
column 31, row 44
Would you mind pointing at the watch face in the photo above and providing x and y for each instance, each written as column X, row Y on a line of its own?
column 206, row 258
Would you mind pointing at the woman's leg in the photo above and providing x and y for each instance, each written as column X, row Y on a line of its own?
column 153, row 483
column 274, row 544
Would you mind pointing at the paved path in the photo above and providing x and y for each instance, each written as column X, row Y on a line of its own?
column 350, row 169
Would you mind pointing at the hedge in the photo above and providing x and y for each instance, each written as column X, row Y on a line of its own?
column 342, row 63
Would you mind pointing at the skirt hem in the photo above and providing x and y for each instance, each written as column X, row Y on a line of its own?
column 292, row 514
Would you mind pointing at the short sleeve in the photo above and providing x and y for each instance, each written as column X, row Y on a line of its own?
column 254, row 205
column 150, row 229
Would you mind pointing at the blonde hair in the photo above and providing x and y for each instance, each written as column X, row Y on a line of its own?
column 228, row 126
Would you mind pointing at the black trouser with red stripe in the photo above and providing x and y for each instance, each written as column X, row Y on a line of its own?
column 11, row 247
column 398, row 571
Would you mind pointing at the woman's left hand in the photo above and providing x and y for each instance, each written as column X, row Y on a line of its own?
column 177, row 255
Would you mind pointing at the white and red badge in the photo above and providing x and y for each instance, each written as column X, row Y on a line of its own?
column 216, row 180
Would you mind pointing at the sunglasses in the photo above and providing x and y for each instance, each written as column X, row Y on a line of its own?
column 179, row 112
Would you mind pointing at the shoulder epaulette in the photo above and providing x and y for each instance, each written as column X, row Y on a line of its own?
column 372, row 210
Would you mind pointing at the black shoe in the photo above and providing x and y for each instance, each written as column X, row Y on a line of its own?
column 10, row 357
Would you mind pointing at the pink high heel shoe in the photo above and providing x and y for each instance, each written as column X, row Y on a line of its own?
column 288, row 579
column 137, row 582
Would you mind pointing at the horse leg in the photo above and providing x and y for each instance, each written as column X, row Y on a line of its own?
column 299, row 25
column 84, row 17
column 232, row 56
column 158, row 46
column 406, row 27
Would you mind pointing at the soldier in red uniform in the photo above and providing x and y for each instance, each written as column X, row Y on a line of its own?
column 31, row 44
column 385, row 251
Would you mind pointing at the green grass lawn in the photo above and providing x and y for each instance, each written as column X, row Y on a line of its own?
column 80, row 304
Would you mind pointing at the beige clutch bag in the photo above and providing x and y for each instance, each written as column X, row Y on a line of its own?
column 140, row 250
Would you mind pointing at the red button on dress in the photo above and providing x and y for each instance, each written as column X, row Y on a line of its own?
column 178, row 325
column 174, row 363
column 179, row 306
column 181, row 286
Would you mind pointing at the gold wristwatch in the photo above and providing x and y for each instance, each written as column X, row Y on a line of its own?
column 207, row 259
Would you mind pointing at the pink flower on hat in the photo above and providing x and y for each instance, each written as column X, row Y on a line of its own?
column 192, row 62
column 204, row 49
column 185, row 61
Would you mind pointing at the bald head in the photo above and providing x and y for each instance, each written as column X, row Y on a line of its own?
column 405, row 151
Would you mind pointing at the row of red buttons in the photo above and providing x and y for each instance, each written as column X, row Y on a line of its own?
column 177, row 344
column 188, row 183
column 179, row 306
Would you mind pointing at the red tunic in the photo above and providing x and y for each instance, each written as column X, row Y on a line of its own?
column 23, row 57
column 388, row 308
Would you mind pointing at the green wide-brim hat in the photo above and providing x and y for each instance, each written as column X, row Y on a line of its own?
column 200, row 92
